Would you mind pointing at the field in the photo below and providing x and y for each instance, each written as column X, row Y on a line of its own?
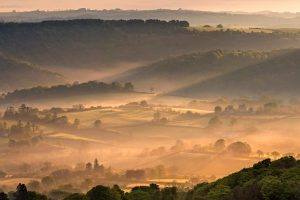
column 180, row 142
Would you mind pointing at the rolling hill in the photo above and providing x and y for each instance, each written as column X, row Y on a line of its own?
column 18, row 74
column 277, row 76
column 178, row 71
column 104, row 45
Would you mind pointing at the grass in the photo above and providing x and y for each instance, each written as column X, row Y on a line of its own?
column 73, row 137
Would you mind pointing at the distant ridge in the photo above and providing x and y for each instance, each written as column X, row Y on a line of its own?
column 196, row 18
column 178, row 71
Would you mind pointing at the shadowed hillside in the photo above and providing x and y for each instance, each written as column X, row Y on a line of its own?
column 98, row 44
column 175, row 72
column 277, row 76
column 18, row 74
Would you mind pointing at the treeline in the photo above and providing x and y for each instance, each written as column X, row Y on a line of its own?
column 151, row 192
column 103, row 23
column 91, row 87
column 266, row 180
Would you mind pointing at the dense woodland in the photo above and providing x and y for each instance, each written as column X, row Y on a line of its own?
column 68, row 90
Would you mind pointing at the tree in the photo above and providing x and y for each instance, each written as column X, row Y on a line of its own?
column 3, row 196
column 88, row 166
column 58, row 194
column 156, row 116
column 179, row 146
column 34, row 185
column 219, row 145
column 260, row 153
column 271, row 107
column 218, row 109
column 169, row 193
column 118, row 190
column 239, row 149
column 220, row 26
column 272, row 188
column 247, row 192
column 229, row 109
column 128, row 87
column 76, row 123
column 144, row 103
column 21, row 193
column 76, row 196
column 242, row 108
column 103, row 193
column 215, row 122
column 275, row 155
column 97, row 123
column 138, row 195
column 96, row 164
column 97, row 167
column 48, row 181
column 220, row 192
column 36, row 196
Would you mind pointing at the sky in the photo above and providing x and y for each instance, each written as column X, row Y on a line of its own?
column 208, row 5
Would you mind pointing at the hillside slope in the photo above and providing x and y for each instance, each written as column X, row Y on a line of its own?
column 98, row 44
column 18, row 74
column 176, row 72
column 279, row 179
column 277, row 76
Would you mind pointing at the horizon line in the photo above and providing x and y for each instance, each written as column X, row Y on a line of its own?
column 156, row 9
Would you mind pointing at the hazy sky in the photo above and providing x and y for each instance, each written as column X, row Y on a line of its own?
column 213, row 5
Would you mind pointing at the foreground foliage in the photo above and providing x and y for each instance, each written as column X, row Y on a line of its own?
column 266, row 180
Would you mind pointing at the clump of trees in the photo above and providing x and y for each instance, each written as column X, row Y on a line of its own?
column 158, row 119
column 189, row 115
column 215, row 122
column 239, row 149
column 141, row 104
column 257, row 107
column 21, row 133
column 33, row 115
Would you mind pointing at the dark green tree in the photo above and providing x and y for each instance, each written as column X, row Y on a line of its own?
column 103, row 193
